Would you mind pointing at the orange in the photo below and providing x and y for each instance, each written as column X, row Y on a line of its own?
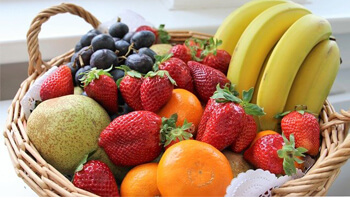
column 185, row 104
column 262, row 134
column 192, row 168
column 140, row 181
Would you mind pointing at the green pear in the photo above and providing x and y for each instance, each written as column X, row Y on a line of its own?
column 119, row 172
column 65, row 129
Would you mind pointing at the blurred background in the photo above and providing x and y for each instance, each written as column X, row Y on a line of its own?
column 62, row 32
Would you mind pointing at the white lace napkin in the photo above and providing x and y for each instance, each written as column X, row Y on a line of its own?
column 33, row 95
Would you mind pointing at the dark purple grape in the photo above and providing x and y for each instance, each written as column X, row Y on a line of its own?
column 82, row 57
column 95, row 31
column 86, row 39
column 78, row 46
column 73, row 68
column 103, row 59
column 127, row 37
column 124, row 109
column 149, row 52
column 118, row 29
column 116, row 39
column 103, row 41
column 122, row 47
column 117, row 74
column 143, row 39
column 139, row 62
column 79, row 74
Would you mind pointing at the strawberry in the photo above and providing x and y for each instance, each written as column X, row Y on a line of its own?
column 182, row 52
column 96, row 177
column 205, row 79
column 246, row 136
column 129, row 87
column 220, row 60
column 274, row 153
column 100, row 86
column 305, row 128
column 133, row 138
column 57, row 84
column 215, row 58
column 177, row 69
column 171, row 134
column 196, row 46
column 162, row 35
column 156, row 90
column 224, row 118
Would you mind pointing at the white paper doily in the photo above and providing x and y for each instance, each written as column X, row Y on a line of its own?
column 33, row 94
column 255, row 183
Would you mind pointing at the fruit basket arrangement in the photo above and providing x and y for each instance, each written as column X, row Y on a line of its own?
column 140, row 119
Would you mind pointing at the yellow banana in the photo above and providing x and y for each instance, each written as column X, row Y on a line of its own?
column 257, row 40
column 284, row 63
column 315, row 77
column 234, row 24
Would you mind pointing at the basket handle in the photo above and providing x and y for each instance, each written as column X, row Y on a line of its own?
column 35, row 61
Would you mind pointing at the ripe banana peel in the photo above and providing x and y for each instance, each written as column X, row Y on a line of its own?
column 257, row 41
column 284, row 63
column 233, row 25
column 315, row 77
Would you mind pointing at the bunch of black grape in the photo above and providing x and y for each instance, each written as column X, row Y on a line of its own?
column 108, row 51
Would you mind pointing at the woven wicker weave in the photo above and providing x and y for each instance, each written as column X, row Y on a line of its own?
column 47, row 181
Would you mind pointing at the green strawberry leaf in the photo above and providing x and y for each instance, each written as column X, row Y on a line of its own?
column 170, row 132
column 93, row 74
column 161, row 73
column 163, row 34
column 290, row 154
column 160, row 59
column 248, row 95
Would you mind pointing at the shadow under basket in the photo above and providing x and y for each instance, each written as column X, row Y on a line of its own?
column 45, row 180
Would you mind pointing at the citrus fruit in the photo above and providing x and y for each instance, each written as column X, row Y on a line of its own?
column 141, row 181
column 185, row 104
column 192, row 168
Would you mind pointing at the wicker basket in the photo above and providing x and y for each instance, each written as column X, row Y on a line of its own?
column 45, row 180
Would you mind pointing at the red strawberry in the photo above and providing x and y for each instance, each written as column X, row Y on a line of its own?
column 305, row 128
column 171, row 134
column 100, row 86
column 133, row 138
column 156, row 90
column 97, row 178
column 275, row 153
column 219, row 60
column 246, row 136
column 59, row 83
column 205, row 79
column 130, row 89
column 177, row 69
column 182, row 52
column 196, row 46
column 224, row 118
column 162, row 36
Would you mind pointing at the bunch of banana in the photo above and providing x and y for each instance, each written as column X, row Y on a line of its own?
column 285, row 52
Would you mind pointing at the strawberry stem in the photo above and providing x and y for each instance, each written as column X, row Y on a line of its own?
column 290, row 154
column 228, row 94
column 161, row 73
column 163, row 34
column 93, row 74
column 160, row 59
column 170, row 132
